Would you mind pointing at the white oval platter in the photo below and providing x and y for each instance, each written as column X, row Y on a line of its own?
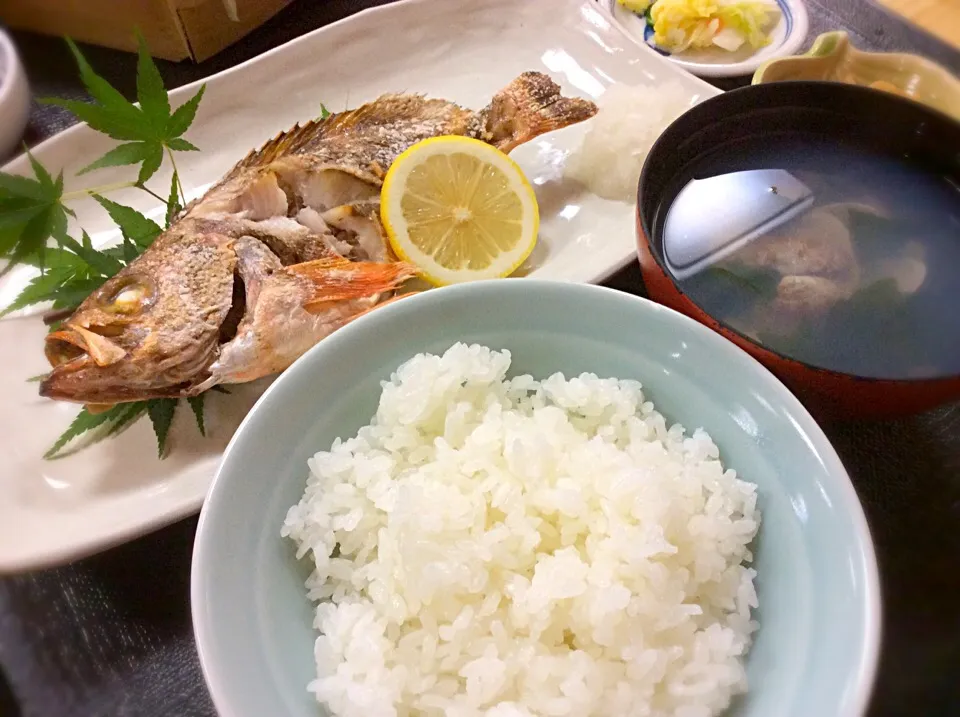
column 56, row 511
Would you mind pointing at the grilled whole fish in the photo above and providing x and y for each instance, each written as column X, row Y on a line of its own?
column 285, row 249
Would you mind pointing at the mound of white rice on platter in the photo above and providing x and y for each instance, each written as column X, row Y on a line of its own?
column 514, row 547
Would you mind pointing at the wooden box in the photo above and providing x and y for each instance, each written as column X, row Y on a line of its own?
column 173, row 29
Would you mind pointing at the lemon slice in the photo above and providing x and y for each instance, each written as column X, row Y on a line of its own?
column 460, row 209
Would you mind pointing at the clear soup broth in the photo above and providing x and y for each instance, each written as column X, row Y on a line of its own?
column 841, row 259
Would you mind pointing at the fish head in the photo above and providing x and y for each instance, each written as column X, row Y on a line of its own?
column 151, row 330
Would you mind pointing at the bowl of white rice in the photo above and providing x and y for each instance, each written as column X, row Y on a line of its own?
column 531, row 499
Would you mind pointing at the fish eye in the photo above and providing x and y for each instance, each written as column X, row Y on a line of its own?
column 127, row 296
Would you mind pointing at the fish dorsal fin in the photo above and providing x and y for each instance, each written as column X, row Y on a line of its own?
column 282, row 144
column 381, row 111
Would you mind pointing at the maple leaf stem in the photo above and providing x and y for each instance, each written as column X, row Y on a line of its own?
column 152, row 193
column 77, row 194
column 183, row 195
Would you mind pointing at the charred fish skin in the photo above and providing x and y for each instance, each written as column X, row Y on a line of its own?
column 285, row 249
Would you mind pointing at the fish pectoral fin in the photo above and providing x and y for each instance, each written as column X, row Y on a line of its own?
column 338, row 279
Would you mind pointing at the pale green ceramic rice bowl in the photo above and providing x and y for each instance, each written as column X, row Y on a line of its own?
column 816, row 651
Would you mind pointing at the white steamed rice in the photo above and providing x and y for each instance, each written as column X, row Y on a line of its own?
column 509, row 548
column 631, row 118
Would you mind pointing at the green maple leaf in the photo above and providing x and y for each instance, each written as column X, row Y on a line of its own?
column 40, row 289
column 73, row 271
column 161, row 411
column 99, row 264
column 84, row 422
column 109, row 422
column 30, row 213
column 173, row 202
column 147, row 131
column 137, row 230
column 127, row 413
column 31, row 209
column 105, row 424
column 196, row 405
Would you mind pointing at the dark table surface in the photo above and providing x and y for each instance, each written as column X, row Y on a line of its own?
column 111, row 635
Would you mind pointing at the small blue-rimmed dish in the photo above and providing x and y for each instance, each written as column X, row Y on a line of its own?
column 786, row 38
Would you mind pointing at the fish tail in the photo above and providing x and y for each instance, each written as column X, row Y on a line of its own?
column 529, row 106
column 334, row 279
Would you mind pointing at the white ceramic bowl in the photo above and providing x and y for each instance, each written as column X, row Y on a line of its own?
column 14, row 97
column 816, row 651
